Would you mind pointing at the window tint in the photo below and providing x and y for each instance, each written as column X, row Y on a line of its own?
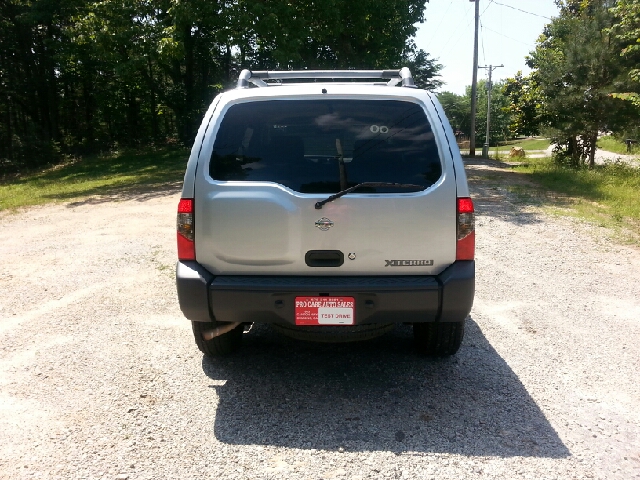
column 324, row 146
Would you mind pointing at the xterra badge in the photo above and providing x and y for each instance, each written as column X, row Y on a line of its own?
column 409, row 263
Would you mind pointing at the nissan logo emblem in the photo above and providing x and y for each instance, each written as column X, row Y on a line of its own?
column 324, row 224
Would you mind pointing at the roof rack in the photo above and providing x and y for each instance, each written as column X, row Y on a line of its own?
column 258, row 78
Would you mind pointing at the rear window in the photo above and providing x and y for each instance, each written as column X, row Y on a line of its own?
column 324, row 146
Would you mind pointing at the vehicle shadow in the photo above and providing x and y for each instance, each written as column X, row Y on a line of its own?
column 377, row 396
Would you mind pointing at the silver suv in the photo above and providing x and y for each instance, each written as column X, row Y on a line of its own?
column 330, row 208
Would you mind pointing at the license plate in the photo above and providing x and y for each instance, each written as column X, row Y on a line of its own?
column 325, row 310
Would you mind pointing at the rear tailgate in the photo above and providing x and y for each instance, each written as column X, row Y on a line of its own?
column 255, row 202
column 266, row 229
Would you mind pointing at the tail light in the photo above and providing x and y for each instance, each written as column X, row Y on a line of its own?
column 466, row 245
column 186, row 233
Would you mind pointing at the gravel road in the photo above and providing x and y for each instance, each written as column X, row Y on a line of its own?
column 601, row 157
column 100, row 378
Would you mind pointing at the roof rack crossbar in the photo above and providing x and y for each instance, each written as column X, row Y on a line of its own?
column 258, row 78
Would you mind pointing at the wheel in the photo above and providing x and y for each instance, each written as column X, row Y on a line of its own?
column 438, row 339
column 333, row 334
column 219, row 346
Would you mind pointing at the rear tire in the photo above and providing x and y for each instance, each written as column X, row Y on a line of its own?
column 225, row 344
column 438, row 339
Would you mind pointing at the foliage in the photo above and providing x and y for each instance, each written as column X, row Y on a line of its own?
column 425, row 70
column 458, row 110
column 529, row 144
column 617, row 145
column 626, row 30
column 524, row 104
column 81, row 76
column 500, row 115
column 577, row 68
column 331, row 34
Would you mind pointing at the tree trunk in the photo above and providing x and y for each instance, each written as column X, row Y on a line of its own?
column 573, row 151
column 132, row 116
column 52, row 84
column 593, row 139
column 154, row 104
column 227, row 64
column 9, row 131
column 87, row 100
column 189, row 41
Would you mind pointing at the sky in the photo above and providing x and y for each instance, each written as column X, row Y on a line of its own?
column 508, row 32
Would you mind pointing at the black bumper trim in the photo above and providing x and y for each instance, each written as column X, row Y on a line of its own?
column 192, row 283
column 447, row 297
column 458, row 289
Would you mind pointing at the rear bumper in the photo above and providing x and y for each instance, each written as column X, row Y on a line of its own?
column 447, row 297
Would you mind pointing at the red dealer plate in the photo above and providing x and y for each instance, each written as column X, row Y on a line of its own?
column 324, row 310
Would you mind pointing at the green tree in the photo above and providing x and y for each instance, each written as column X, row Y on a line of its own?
column 626, row 30
column 329, row 34
column 500, row 115
column 78, row 76
column 31, row 35
column 524, row 104
column 458, row 109
column 425, row 70
column 576, row 68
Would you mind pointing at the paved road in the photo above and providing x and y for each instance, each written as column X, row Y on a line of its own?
column 602, row 156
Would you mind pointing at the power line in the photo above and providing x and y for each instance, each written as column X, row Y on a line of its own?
column 439, row 24
column 452, row 45
column 510, row 38
column 484, row 57
column 519, row 9
column 474, row 82
column 460, row 35
column 485, row 8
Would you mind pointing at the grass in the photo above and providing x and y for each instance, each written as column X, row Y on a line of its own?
column 608, row 143
column 530, row 144
column 612, row 144
column 607, row 195
column 126, row 172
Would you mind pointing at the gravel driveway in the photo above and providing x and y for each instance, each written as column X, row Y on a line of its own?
column 100, row 377
column 601, row 157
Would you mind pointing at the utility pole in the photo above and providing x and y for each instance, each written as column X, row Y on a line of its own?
column 474, row 85
column 485, row 147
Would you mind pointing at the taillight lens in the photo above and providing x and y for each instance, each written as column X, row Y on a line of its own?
column 466, row 245
column 186, row 233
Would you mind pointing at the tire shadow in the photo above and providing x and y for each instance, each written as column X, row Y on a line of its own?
column 377, row 396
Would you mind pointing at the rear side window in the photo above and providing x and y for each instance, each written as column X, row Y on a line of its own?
column 324, row 146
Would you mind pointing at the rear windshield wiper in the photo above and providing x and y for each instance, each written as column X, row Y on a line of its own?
column 341, row 193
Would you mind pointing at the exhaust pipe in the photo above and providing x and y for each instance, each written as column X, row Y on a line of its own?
column 216, row 332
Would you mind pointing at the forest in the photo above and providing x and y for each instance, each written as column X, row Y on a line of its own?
column 79, row 76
